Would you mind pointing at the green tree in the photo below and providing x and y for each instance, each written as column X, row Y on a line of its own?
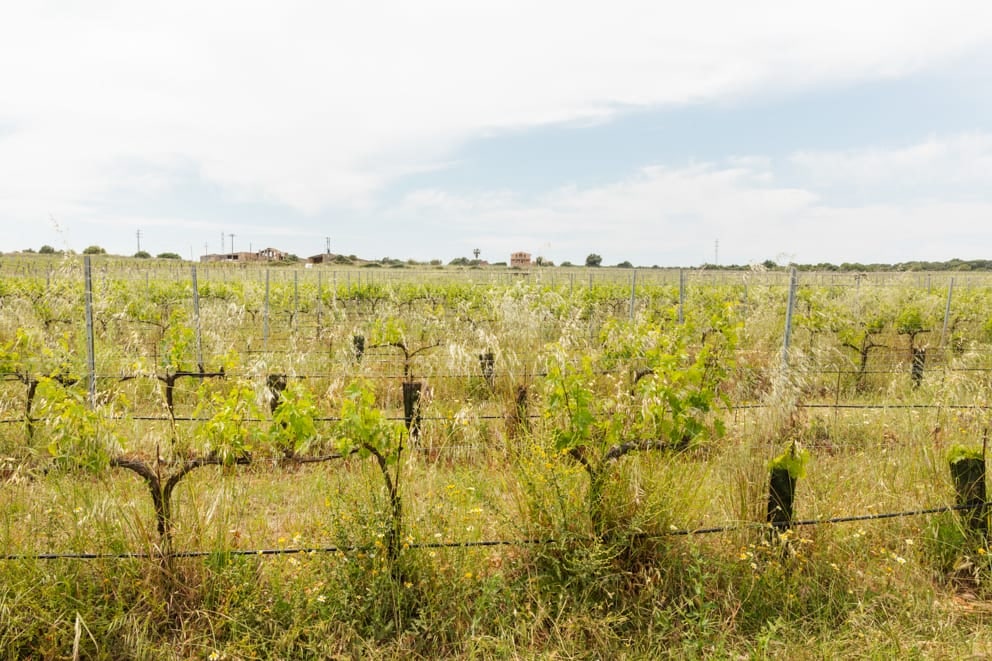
column 94, row 250
column 141, row 254
column 46, row 250
column 168, row 255
column 594, row 260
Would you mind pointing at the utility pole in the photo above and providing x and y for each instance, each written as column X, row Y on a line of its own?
column 327, row 243
column 139, row 240
column 232, row 242
column 206, row 248
column 716, row 253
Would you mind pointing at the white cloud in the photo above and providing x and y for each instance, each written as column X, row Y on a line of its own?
column 660, row 215
column 939, row 162
column 312, row 104
column 674, row 216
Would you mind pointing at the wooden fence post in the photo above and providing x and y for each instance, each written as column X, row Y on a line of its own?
column 919, row 362
column 785, row 470
column 276, row 384
column 517, row 417
column 487, row 362
column 781, row 494
column 968, row 473
column 411, row 407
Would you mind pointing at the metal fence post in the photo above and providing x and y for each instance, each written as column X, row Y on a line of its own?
column 793, row 282
column 90, row 355
column 320, row 295
column 265, row 316
column 196, row 320
column 633, row 290
column 947, row 311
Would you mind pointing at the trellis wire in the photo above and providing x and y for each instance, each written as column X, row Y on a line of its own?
column 676, row 532
column 536, row 416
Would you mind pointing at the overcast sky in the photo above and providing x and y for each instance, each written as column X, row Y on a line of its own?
column 643, row 131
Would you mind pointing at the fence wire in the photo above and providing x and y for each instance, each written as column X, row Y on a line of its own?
column 314, row 550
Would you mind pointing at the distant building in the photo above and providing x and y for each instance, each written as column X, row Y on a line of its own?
column 266, row 255
column 520, row 259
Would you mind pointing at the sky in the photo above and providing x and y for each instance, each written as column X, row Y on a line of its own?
column 660, row 133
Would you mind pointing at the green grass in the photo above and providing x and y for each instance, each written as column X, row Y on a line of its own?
column 566, row 586
column 913, row 585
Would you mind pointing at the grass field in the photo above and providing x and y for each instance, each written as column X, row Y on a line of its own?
column 542, row 509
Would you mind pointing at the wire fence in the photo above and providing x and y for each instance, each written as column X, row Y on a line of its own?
column 638, row 282
column 334, row 549
column 902, row 369
column 533, row 416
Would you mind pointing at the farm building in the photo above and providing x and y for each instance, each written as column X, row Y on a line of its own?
column 520, row 259
column 266, row 255
column 271, row 255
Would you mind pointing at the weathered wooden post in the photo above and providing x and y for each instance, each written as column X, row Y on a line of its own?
column 968, row 473
column 919, row 361
column 785, row 470
column 487, row 362
column 781, row 494
column 276, row 384
column 517, row 417
column 358, row 345
column 411, row 407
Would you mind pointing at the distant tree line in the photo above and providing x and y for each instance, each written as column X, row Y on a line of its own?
column 594, row 260
column 949, row 265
